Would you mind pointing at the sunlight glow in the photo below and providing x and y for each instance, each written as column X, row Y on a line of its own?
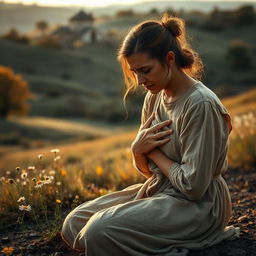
column 94, row 3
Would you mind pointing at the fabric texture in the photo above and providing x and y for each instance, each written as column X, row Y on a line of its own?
column 167, row 216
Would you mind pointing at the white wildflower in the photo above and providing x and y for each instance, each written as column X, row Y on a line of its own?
column 40, row 156
column 39, row 184
column 24, row 175
column 52, row 172
column 21, row 199
column 55, row 150
column 31, row 168
column 25, row 208
column 57, row 158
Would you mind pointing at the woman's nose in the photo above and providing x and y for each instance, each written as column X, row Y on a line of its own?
column 141, row 79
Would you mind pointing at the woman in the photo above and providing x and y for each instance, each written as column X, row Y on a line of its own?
column 181, row 148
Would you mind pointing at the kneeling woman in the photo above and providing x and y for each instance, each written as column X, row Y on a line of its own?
column 181, row 148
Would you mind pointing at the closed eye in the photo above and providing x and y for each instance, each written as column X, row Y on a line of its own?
column 146, row 71
column 142, row 70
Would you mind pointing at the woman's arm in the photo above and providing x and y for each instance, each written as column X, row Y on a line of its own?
column 161, row 160
column 140, row 162
column 145, row 141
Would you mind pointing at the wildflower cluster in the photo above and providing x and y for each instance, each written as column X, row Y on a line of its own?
column 32, row 189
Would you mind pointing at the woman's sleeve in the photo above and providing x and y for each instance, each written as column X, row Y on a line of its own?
column 202, row 137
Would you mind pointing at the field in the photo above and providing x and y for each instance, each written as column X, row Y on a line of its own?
column 82, row 171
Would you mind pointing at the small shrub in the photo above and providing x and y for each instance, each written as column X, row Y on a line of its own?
column 49, row 42
column 238, row 55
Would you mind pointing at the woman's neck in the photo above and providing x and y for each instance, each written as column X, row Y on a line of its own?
column 180, row 82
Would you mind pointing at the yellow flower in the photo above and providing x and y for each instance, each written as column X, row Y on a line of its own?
column 17, row 168
column 99, row 170
column 77, row 197
column 58, row 201
column 7, row 250
column 63, row 172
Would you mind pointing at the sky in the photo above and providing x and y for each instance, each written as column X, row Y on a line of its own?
column 89, row 3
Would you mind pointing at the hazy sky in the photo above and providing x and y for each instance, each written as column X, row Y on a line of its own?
column 85, row 2
column 76, row 2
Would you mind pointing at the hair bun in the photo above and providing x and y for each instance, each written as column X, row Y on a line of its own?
column 174, row 25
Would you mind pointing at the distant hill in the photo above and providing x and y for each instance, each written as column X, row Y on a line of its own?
column 23, row 17
column 87, row 82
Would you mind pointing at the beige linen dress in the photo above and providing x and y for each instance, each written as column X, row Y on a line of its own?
column 165, row 216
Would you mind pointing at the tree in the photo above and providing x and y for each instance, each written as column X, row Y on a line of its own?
column 244, row 16
column 42, row 25
column 14, row 91
column 238, row 55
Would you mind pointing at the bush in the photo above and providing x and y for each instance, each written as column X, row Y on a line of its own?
column 49, row 42
column 238, row 55
column 125, row 13
column 13, row 35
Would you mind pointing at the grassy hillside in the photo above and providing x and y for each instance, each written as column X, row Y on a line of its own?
column 69, row 83
column 22, row 133
column 241, row 103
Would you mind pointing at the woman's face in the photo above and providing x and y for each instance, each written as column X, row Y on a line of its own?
column 150, row 73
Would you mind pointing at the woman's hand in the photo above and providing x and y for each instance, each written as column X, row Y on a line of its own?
column 148, row 138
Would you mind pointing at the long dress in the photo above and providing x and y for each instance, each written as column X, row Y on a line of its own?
column 165, row 216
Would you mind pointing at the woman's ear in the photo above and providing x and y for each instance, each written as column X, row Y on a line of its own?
column 170, row 58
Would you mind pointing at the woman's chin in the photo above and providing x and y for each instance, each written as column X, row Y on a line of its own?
column 154, row 90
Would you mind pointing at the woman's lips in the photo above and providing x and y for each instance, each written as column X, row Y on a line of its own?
column 149, row 86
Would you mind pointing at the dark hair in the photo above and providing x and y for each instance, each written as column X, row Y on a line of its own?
column 156, row 38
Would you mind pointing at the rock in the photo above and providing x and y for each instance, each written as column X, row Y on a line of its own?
column 5, row 240
column 58, row 254
column 243, row 218
column 33, row 235
column 30, row 247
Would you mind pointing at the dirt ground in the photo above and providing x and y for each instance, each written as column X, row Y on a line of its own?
column 242, row 186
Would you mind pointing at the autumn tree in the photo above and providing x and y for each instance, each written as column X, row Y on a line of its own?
column 14, row 91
